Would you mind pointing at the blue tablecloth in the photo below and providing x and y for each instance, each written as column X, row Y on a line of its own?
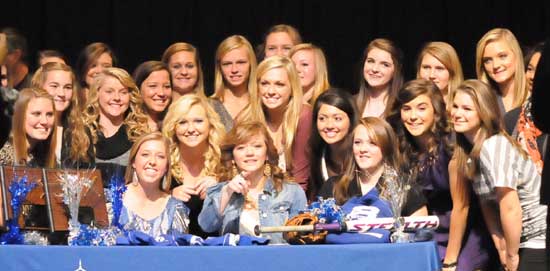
column 414, row 256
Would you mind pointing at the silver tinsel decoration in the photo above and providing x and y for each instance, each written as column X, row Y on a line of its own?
column 35, row 238
column 72, row 186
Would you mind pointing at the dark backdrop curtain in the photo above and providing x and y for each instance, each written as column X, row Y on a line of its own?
column 140, row 30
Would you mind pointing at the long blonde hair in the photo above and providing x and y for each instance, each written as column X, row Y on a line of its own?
column 176, row 112
column 72, row 115
column 135, row 119
column 43, row 151
column 183, row 46
column 231, row 43
column 321, row 73
column 520, row 83
column 256, row 111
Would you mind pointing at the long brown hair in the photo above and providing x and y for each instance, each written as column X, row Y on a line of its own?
column 440, row 129
column 383, row 136
column 397, row 78
column 485, row 102
column 87, row 56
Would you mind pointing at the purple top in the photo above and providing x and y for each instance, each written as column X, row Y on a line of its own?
column 476, row 243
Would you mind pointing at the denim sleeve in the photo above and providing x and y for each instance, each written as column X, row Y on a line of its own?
column 299, row 201
column 210, row 219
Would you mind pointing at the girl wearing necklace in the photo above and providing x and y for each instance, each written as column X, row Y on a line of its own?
column 254, row 191
column 147, row 204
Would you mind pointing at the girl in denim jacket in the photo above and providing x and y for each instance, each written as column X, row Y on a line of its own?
column 256, row 192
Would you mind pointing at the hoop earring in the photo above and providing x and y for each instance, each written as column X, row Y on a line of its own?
column 267, row 169
column 135, row 180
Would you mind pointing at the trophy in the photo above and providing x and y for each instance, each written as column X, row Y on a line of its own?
column 395, row 193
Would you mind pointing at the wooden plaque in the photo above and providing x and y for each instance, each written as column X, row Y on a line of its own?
column 44, row 208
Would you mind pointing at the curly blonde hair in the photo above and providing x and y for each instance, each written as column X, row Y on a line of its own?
column 177, row 111
column 135, row 119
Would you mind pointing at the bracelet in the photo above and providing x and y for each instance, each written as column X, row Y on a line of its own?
column 450, row 265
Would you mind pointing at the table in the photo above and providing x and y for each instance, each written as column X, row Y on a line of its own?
column 414, row 256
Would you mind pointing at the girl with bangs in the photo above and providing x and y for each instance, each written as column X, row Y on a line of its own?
column 254, row 190
column 196, row 134
column 114, row 119
column 504, row 178
column 233, row 80
column 277, row 102
column 72, row 142
column 419, row 117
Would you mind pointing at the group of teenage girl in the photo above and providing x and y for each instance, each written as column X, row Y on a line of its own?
column 275, row 135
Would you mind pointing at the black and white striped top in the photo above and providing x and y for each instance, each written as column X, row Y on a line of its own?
column 502, row 165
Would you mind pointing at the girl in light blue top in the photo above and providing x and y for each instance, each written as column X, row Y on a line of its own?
column 147, row 204
column 255, row 192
